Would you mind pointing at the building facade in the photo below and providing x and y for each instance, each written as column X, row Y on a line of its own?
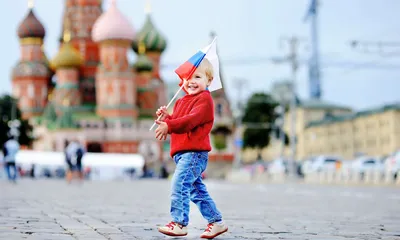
column 374, row 132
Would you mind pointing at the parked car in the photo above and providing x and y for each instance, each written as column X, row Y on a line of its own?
column 366, row 163
column 322, row 163
column 278, row 165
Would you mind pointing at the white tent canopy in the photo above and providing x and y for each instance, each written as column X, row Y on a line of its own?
column 28, row 157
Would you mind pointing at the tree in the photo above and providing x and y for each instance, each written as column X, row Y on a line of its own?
column 260, row 116
column 25, row 129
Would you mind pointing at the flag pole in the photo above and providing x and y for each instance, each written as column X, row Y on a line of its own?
column 170, row 102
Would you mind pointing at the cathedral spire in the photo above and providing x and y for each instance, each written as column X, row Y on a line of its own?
column 30, row 4
column 142, row 47
column 147, row 7
column 67, row 32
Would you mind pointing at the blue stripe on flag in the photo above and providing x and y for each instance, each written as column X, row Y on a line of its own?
column 197, row 58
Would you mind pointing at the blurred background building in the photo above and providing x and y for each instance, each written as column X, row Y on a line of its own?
column 91, row 92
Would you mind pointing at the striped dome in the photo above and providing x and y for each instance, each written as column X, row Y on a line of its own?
column 143, row 64
column 153, row 40
column 31, row 27
column 112, row 25
column 67, row 57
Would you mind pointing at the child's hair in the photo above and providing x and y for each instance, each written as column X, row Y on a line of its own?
column 207, row 67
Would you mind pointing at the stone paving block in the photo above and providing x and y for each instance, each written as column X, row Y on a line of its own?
column 17, row 235
column 80, row 232
column 133, row 210
column 122, row 237
column 41, row 236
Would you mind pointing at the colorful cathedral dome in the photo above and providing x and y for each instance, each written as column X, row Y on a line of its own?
column 112, row 25
column 68, row 56
column 152, row 38
column 31, row 27
column 143, row 63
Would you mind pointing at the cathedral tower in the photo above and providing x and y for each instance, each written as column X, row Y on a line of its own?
column 30, row 78
column 149, row 44
column 82, row 14
column 67, row 63
column 115, row 86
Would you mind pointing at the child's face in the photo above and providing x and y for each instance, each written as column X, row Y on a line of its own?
column 197, row 83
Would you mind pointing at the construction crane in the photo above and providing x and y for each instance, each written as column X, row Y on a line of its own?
column 314, row 74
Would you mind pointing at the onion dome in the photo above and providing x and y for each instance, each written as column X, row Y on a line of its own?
column 152, row 38
column 143, row 63
column 112, row 25
column 68, row 56
column 31, row 27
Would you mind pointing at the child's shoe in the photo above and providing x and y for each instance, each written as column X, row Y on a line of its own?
column 213, row 230
column 173, row 229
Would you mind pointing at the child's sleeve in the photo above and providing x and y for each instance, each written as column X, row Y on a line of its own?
column 173, row 111
column 201, row 113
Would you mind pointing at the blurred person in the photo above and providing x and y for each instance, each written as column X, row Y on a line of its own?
column 80, row 152
column 164, row 174
column 32, row 171
column 10, row 150
column 74, row 152
column 190, row 126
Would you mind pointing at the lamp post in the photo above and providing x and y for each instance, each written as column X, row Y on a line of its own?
column 279, row 122
column 14, row 123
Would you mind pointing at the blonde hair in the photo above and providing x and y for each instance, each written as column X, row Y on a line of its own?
column 207, row 67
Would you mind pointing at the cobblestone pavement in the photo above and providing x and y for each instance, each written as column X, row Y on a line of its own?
column 132, row 210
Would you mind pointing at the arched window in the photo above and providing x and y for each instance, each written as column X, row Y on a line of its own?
column 219, row 110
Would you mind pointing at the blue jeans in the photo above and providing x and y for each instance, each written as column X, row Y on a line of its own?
column 187, row 185
column 8, row 166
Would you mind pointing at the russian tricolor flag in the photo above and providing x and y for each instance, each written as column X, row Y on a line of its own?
column 186, row 70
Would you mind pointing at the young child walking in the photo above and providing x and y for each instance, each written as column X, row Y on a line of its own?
column 189, row 126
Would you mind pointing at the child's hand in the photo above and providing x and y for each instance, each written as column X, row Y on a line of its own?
column 162, row 130
column 162, row 111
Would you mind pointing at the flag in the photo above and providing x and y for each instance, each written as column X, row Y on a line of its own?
column 186, row 70
column 312, row 9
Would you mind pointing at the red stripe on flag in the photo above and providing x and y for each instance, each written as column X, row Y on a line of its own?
column 186, row 70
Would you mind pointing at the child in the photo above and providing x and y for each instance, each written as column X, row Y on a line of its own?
column 190, row 126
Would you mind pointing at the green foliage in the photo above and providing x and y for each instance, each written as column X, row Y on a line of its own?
column 259, row 110
column 219, row 141
column 6, row 107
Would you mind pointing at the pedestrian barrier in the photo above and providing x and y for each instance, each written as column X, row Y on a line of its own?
column 340, row 176
column 369, row 177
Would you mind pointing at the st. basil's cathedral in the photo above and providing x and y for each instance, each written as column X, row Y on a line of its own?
column 90, row 92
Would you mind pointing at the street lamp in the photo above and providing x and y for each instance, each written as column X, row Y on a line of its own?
column 280, row 111
column 14, row 128
column 14, row 123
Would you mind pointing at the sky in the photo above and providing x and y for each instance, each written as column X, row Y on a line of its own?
column 253, row 29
